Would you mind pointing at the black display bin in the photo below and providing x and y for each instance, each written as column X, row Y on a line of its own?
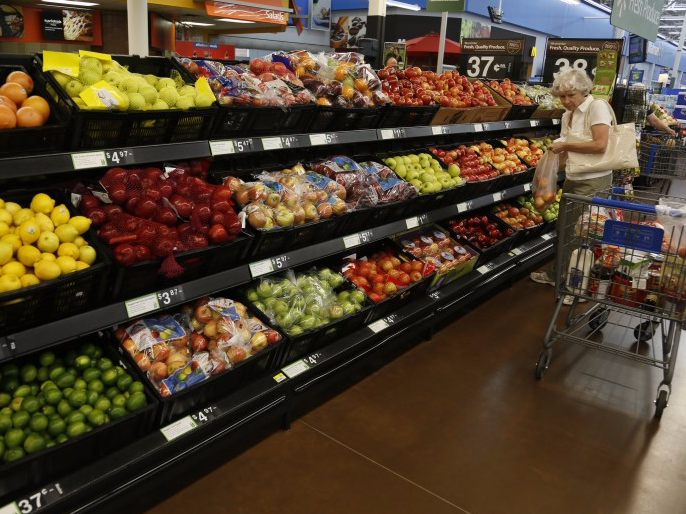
column 101, row 129
column 48, row 138
column 38, row 469
column 247, row 120
column 407, row 115
column 344, row 118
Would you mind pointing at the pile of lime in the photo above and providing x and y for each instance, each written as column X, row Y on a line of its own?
column 49, row 398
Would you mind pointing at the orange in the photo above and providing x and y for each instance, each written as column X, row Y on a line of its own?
column 8, row 103
column 29, row 117
column 7, row 118
column 21, row 78
column 347, row 91
column 323, row 101
column 361, row 84
column 39, row 104
column 341, row 72
column 14, row 92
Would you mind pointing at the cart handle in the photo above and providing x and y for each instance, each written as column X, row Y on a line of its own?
column 620, row 204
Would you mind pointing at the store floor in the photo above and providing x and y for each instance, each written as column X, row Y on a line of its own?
column 458, row 424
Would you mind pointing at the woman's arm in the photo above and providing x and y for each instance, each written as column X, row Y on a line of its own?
column 660, row 124
column 598, row 144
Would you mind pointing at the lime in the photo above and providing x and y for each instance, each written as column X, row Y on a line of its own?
column 5, row 423
column 123, row 382
column 136, row 387
column 38, row 422
column 22, row 390
column 103, row 404
column 109, row 376
column 55, row 371
column 48, row 384
column 63, row 407
column 77, row 398
column 52, row 396
column 82, row 362
column 31, row 404
column 6, row 411
column 75, row 416
column 111, row 392
column 80, row 384
column 49, row 443
column 28, row 373
column 16, row 403
column 76, row 429
column 65, row 380
column 56, row 427
column 89, row 349
column 48, row 410
column 136, row 401
column 92, row 397
column 14, row 438
column 9, row 384
column 20, row 419
column 97, row 386
column 43, row 374
column 73, row 372
column 91, row 374
column 97, row 418
column 35, row 389
column 10, row 369
column 66, row 392
column 120, row 371
column 12, row 454
column 34, row 443
column 119, row 401
column 117, row 412
column 61, row 437
column 85, row 409
column 104, row 364
column 5, row 399
column 46, row 358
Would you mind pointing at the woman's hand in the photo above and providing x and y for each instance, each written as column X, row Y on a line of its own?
column 557, row 147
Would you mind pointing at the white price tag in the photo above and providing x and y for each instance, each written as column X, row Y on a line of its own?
column 483, row 269
column 295, row 369
column 222, row 147
column 478, row 127
column 260, row 268
column 317, row 139
column 10, row 508
column 547, row 236
column 86, row 160
column 178, row 428
column 351, row 240
column 141, row 305
column 412, row 222
column 556, row 122
column 497, row 196
column 272, row 143
column 387, row 134
column 378, row 326
column 461, row 207
column 517, row 251
column 437, row 130
column 534, row 123
column 527, row 187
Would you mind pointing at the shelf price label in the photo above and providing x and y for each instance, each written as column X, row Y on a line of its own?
column 313, row 360
column 497, row 196
column 486, row 268
column 141, row 305
column 289, row 142
column 318, row 139
column 244, row 145
column 296, row 368
column 85, row 160
column 478, row 127
column 396, row 133
column 34, row 502
column 222, row 147
column 415, row 221
column 486, row 127
column 465, row 206
column 351, row 240
column 179, row 428
column 517, row 251
column 260, row 268
column 331, row 138
column 507, row 124
column 378, row 326
column 534, row 123
column 119, row 157
column 206, row 415
column 527, row 187
column 439, row 130
column 547, row 236
column 280, row 262
column 436, row 295
column 171, row 296
column 272, row 143
column 556, row 121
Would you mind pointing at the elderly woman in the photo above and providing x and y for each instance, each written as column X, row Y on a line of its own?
column 573, row 86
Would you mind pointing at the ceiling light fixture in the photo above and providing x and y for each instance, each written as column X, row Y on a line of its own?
column 571, row 2
column 403, row 5
column 229, row 20
column 72, row 2
column 197, row 23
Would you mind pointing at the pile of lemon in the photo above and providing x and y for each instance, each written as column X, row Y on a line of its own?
column 40, row 242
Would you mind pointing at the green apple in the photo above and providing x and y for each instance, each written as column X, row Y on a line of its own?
column 268, row 302
column 252, row 295
column 446, row 182
column 390, row 162
column 280, row 307
column 427, row 187
column 336, row 311
column 454, row 170
column 295, row 330
column 411, row 175
column 265, row 289
column 400, row 169
column 335, row 280
column 416, row 183
column 357, row 296
column 348, row 307
column 343, row 296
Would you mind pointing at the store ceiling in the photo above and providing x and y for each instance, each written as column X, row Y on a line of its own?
column 672, row 17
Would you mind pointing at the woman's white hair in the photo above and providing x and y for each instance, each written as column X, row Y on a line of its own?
column 572, row 79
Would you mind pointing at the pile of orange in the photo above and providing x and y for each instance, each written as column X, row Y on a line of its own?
column 17, row 107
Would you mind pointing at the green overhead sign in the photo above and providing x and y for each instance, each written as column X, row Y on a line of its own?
column 640, row 17
column 445, row 5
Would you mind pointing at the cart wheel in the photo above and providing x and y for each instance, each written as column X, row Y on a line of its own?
column 645, row 331
column 660, row 404
column 542, row 364
column 598, row 319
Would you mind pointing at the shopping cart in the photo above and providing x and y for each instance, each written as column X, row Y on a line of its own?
column 613, row 254
column 661, row 158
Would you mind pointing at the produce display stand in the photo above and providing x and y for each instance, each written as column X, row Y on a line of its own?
column 266, row 402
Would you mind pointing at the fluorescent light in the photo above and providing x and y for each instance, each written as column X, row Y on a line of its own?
column 197, row 23
column 678, row 8
column 403, row 5
column 229, row 20
column 71, row 2
column 571, row 2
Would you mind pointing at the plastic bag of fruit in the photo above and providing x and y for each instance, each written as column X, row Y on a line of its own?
column 389, row 188
column 544, row 184
column 359, row 186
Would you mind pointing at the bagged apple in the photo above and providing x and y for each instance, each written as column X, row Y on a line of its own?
column 544, row 184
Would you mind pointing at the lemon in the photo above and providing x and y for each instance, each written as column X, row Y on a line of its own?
column 48, row 242
column 22, row 215
column 81, row 223
column 69, row 249
column 87, row 254
column 80, row 241
column 81, row 265
column 12, row 207
column 29, row 280
column 6, row 252
column 44, row 222
column 60, row 215
column 9, row 283
column 28, row 255
column 4, row 228
column 48, row 256
column 66, row 233
column 47, row 270
column 15, row 268
column 66, row 263
column 12, row 239
column 2, row 203
column 29, row 231
column 6, row 217
column 42, row 203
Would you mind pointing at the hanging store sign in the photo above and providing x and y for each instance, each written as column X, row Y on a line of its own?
column 320, row 12
column 261, row 13
column 641, row 17
column 445, row 5
column 490, row 58
column 576, row 53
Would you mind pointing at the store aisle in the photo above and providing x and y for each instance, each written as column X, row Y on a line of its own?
column 458, row 424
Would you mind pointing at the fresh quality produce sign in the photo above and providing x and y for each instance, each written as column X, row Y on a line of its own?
column 491, row 58
column 576, row 53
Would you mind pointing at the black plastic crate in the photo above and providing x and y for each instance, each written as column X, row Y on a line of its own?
column 272, row 241
column 344, row 118
column 98, row 129
column 407, row 115
column 48, row 138
column 38, row 469
column 517, row 111
column 248, row 120
column 63, row 296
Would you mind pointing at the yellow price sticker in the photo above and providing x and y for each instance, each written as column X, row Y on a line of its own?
column 96, row 55
column 64, row 62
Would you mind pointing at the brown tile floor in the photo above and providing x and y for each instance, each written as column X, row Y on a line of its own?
column 459, row 424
